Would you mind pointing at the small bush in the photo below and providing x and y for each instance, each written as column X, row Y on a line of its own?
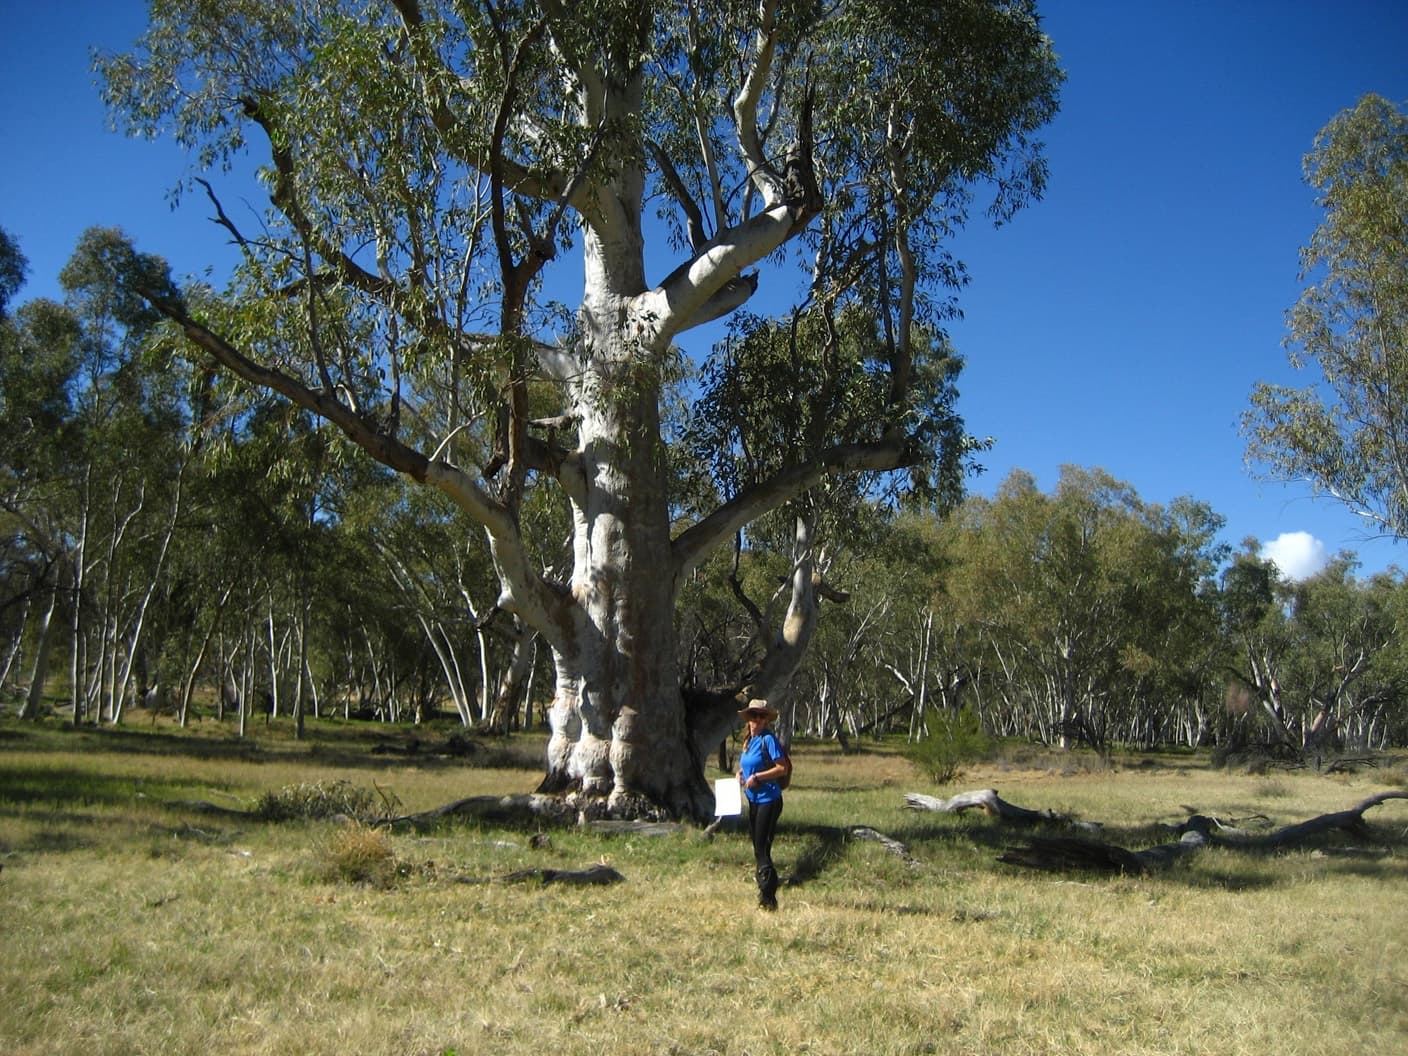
column 955, row 739
column 317, row 799
column 359, row 854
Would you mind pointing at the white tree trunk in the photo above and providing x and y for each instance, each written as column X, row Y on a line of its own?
column 40, row 670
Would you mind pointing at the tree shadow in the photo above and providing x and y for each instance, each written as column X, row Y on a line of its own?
column 371, row 747
column 823, row 845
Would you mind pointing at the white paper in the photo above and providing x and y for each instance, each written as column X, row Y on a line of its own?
column 728, row 797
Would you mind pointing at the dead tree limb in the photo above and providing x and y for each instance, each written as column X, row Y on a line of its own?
column 1068, row 853
column 894, row 846
column 990, row 803
column 1351, row 820
column 1062, row 853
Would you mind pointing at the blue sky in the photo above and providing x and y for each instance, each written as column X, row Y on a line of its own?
column 1119, row 323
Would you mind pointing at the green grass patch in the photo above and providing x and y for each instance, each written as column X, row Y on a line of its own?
column 137, row 917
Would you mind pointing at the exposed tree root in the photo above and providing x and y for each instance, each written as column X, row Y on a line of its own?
column 523, row 810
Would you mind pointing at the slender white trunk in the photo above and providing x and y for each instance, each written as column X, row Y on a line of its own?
column 139, row 620
column 13, row 654
column 39, row 672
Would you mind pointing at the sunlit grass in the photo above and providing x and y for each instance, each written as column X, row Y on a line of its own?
column 133, row 921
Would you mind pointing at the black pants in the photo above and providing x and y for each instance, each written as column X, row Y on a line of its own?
column 762, row 825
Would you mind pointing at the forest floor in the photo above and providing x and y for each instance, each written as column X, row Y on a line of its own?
column 151, row 903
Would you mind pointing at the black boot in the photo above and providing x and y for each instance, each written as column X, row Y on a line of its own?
column 767, row 887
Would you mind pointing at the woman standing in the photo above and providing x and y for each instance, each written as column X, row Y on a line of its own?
column 763, row 764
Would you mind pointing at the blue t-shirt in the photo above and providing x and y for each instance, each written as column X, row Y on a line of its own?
column 762, row 753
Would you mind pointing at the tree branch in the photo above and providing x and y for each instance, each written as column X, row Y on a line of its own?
column 541, row 604
column 447, row 123
column 694, row 219
column 745, row 108
column 697, row 541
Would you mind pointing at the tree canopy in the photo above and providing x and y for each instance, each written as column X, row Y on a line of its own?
column 1346, row 434
column 432, row 167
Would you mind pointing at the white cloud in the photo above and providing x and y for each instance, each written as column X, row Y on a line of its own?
column 1299, row 555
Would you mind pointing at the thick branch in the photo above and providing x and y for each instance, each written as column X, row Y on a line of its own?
column 990, row 803
column 679, row 301
column 790, row 640
column 745, row 108
column 697, row 541
column 694, row 219
column 698, row 290
column 1292, row 834
column 528, row 594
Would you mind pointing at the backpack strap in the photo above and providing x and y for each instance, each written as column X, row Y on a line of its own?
column 782, row 781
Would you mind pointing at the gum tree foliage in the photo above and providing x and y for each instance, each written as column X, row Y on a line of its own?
column 1089, row 606
column 91, row 471
column 767, row 406
column 429, row 167
column 1321, row 658
column 1347, row 434
column 1345, row 667
column 13, row 267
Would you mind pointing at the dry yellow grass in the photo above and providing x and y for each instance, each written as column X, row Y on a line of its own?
column 134, row 926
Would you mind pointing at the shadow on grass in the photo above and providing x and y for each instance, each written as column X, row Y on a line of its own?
column 351, row 745
column 57, row 836
column 822, row 846
column 65, row 789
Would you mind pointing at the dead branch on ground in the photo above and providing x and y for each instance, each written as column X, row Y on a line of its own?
column 1064, row 853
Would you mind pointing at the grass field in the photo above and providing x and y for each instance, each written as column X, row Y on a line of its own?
column 133, row 920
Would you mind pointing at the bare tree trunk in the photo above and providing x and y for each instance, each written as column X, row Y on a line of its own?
column 39, row 672
column 305, row 603
column 246, row 682
column 512, row 682
column 272, row 711
column 134, row 640
column 79, row 576
column 14, row 652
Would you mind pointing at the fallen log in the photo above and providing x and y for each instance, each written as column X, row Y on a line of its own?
column 990, row 803
column 1068, row 853
column 1351, row 820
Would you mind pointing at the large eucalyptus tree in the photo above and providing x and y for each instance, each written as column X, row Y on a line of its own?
column 433, row 164
column 1346, row 433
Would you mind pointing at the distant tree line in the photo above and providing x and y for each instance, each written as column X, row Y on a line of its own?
column 170, row 541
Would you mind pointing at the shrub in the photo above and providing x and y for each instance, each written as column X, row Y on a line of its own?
column 359, row 854
column 317, row 799
column 955, row 738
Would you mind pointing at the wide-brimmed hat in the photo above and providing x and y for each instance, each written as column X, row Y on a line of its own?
column 759, row 707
